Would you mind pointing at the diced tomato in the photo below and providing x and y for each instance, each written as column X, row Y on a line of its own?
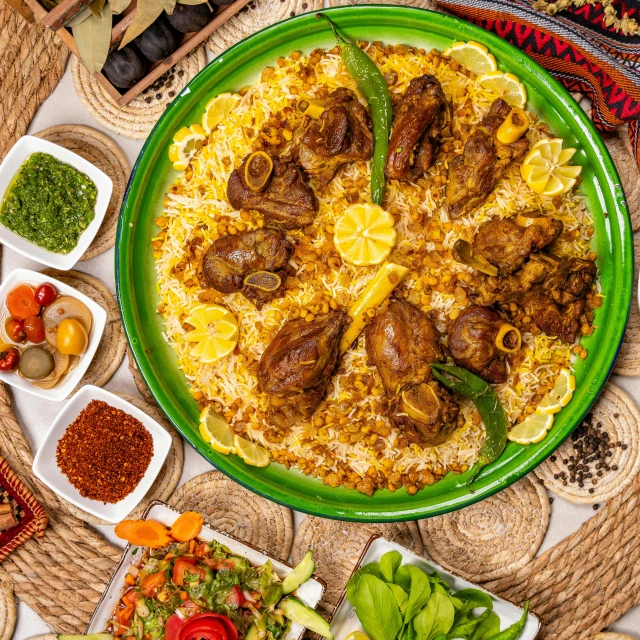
column 235, row 597
column 130, row 597
column 124, row 613
column 173, row 625
column 208, row 626
column 220, row 563
column 203, row 550
column 189, row 608
column 183, row 566
column 152, row 584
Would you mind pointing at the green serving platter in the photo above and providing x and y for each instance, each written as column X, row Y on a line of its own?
column 239, row 66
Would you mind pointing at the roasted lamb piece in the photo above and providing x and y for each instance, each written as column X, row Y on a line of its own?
column 475, row 172
column 417, row 121
column 340, row 135
column 297, row 365
column 479, row 339
column 402, row 343
column 283, row 197
column 253, row 262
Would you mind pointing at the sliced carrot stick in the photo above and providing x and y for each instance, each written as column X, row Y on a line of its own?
column 146, row 533
column 187, row 526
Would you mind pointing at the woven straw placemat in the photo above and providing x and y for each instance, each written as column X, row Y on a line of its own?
column 611, row 635
column 136, row 119
column 621, row 420
column 137, row 378
column 229, row 507
column 105, row 154
column 32, row 61
column 168, row 477
column 337, row 546
column 7, row 608
column 492, row 538
column 113, row 344
column 628, row 360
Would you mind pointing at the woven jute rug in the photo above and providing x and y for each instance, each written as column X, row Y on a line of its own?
column 32, row 61
column 229, row 507
column 105, row 154
column 628, row 360
column 7, row 608
column 611, row 635
column 494, row 537
column 113, row 345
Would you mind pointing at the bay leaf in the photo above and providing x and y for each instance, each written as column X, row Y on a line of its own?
column 193, row 2
column 118, row 6
column 96, row 6
column 168, row 5
column 147, row 13
column 93, row 37
column 79, row 17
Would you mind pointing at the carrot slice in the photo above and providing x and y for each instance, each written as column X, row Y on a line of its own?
column 21, row 302
column 145, row 533
column 187, row 526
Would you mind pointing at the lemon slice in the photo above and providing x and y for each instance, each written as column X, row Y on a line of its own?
column 560, row 395
column 186, row 142
column 533, row 429
column 252, row 454
column 506, row 85
column 472, row 55
column 215, row 430
column 546, row 168
column 364, row 234
column 218, row 109
column 215, row 332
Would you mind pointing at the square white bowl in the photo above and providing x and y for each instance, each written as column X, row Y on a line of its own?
column 46, row 468
column 71, row 380
column 345, row 620
column 21, row 150
column 310, row 592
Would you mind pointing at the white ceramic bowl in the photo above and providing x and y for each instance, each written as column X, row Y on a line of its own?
column 71, row 380
column 46, row 468
column 21, row 150
column 310, row 592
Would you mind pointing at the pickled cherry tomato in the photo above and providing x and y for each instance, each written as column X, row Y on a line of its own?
column 45, row 294
column 71, row 337
column 34, row 328
column 15, row 330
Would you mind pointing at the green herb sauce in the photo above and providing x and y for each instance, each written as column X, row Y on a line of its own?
column 49, row 203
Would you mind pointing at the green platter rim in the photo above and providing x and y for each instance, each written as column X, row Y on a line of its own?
column 135, row 271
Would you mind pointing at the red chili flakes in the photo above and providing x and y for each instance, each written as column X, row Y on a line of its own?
column 104, row 452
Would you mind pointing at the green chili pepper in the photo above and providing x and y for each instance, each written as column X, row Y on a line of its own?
column 487, row 403
column 513, row 632
column 372, row 84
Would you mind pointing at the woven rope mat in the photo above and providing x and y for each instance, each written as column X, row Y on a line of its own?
column 113, row 345
column 137, row 378
column 32, row 61
column 337, row 546
column 168, row 477
column 229, row 507
column 621, row 420
column 136, row 119
column 105, row 154
column 492, row 538
column 628, row 360
column 7, row 609
column 610, row 635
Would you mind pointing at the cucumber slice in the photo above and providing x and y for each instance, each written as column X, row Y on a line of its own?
column 91, row 636
column 307, row 617
column 300, row 573
column 252, row 633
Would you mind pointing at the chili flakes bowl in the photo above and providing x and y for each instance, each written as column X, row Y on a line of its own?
column 45, row 465
column 9, row 169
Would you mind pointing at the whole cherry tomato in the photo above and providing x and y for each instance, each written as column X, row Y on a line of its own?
column 34, row 329
column 15, row 330
column 45, row 294
column 9, row 358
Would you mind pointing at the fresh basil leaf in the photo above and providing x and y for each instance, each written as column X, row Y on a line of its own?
column 455, row 602
column 465, row 628
column 419, row 593
column 389, row 564
column 399, row 594
column 435, row 619
column 435, row 578
column 376, row 609
column 479, row 598
column 402, row 578
column 488, row 628
column 373, row 568
column 409, row 633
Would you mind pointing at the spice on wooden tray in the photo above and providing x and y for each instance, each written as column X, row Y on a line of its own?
column 104, row 452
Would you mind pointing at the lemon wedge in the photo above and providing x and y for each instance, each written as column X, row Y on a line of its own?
column 506, row 85
column 472, row 55
column 533, row 429
column 364, row 234
column 215, row 332
column 252, row 454
column 560, row 395
column 186, row 142
column 218, row 109
column 215, row 430
column 357, row 635
column 546, row 168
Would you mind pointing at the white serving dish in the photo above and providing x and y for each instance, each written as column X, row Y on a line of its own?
column 345, row 620
column 71, row 379
column 21, row 150
column 310, row 592
column 46, row 468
